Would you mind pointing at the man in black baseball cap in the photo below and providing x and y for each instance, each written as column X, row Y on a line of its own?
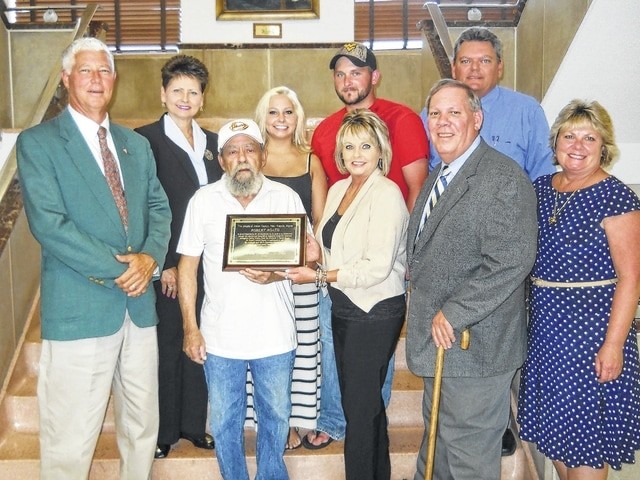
column 355, row 76
column 359, row 55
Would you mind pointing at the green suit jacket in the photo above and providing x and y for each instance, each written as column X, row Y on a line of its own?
column 72, row 214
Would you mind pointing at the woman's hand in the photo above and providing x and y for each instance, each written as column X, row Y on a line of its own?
column 313, row 250
column 169, row 281
column 298, row 274
column 608, row 364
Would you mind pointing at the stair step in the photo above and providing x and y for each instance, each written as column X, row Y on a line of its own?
column 19, row 445
column 20, row 406
column 19, row 459
column 30, row 355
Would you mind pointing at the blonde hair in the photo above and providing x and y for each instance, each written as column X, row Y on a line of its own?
column 262, row 109
column 580, row 112
column 364, row 122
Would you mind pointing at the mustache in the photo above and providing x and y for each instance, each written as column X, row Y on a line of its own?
column 246, row 186
column 243, row 167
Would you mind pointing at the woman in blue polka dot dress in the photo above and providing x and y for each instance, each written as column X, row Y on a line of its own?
column 580, row 386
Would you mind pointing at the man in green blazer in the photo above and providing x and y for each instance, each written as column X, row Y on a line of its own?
column 96, row 207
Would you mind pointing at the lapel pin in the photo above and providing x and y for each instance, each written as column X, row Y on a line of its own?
column 208, row 155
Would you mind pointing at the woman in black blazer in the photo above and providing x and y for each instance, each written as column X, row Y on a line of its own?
column 186, row 160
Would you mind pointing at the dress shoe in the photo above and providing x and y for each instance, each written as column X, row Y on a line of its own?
column 508, row 443
column 205, row 442
column 162, row 450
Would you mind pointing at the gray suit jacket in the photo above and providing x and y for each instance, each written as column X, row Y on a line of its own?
column 471, row 262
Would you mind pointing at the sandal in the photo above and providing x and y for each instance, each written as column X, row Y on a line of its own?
column 293, row 433
column 308, row 444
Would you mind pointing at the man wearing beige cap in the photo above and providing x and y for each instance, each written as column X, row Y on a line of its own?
column 355, row 77
column 247, row 316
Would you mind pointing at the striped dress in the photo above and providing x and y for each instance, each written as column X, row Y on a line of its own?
column 305, row 387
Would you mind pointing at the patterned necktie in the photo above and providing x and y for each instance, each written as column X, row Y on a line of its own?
column 437, row 190
column 112, row 174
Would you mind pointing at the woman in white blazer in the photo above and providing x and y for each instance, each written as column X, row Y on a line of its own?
column 363, row 235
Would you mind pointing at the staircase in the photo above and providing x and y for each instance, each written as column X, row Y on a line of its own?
column 19, row 448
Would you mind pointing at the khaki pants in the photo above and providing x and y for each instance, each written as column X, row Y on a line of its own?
column 74, row 385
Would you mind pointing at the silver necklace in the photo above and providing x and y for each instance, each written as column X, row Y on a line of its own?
column 553, row 219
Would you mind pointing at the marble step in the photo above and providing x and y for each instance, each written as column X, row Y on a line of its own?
column 19, row 410
column 19, row 448
column 19, row 459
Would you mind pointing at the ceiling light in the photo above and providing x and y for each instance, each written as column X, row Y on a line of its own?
column 474, row 14
column 50, row 16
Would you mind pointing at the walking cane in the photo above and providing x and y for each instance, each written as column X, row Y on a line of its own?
column 465, row 338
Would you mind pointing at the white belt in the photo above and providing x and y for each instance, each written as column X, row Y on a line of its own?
column 538, row 282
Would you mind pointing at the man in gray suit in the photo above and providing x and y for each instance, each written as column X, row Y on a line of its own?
column 472, row 243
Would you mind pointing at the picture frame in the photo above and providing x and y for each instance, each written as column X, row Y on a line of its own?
column 267, row 10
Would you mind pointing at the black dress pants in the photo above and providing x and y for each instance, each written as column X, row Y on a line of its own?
column 182, row 388
column 364, row 343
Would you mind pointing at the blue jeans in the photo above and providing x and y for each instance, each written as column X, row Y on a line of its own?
column 226, row 380
column 331, row 417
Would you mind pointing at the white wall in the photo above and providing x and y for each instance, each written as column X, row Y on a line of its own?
column 199, row 25
column 603, row 64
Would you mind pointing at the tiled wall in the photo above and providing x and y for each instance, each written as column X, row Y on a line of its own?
column 544, row 34
column 238, row 78
column 5, row 83
column 33, row 55
column 19, row 282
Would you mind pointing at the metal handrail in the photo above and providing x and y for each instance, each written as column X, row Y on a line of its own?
column 471, row 5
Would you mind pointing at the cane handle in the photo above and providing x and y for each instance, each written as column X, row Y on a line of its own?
column 465, row 339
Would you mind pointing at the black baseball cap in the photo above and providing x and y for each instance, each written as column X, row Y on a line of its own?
column 359, row 54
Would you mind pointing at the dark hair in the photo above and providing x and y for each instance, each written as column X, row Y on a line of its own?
column 479, row 34
column 185, row 66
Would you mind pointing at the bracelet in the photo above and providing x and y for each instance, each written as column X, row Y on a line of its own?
column 321, row 277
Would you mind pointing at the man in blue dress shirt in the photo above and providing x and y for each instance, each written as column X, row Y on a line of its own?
column 514, row 123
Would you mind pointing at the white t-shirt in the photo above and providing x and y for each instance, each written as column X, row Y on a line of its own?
column 240, row 319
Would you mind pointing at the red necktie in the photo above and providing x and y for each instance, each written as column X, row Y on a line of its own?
column 112, row 174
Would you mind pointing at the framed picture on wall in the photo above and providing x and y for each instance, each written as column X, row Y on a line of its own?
column 267, row 9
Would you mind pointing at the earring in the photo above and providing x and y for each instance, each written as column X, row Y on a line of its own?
column 380, row 163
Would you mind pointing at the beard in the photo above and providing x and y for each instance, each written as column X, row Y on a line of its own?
column 362, row 94
column 243, row 187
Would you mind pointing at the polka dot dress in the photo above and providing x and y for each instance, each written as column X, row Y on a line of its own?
column 562, row 408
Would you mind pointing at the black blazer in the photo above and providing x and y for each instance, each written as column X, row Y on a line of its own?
column 178, row 177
